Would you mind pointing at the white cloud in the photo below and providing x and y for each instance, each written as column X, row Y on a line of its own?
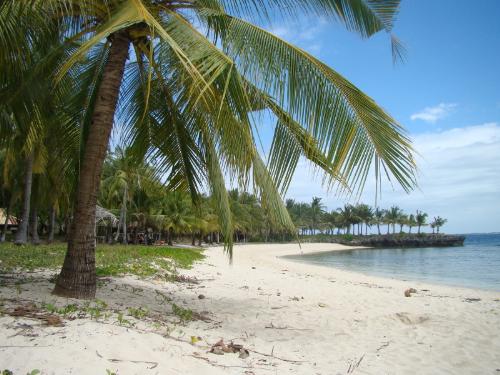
column 459, row 178
column 433, row 114
column 304, row 34
column 281, row 31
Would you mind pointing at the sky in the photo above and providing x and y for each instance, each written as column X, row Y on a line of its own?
column 446, row 94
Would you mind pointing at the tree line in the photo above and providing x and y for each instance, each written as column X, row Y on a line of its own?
column 358, row 219
column 147, row 211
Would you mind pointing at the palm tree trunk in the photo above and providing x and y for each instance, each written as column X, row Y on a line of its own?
column 67, row 226
column 124, row 211
column 419, row 228
column 117, row 235
column 378, row 228
column 52, row 224
column 169, row 236
column 77, row 278
column 22, row 229
column 35, row 239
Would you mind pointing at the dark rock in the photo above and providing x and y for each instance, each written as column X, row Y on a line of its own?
column 399, row 240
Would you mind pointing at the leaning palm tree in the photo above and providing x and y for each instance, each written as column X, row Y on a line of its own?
column 187, row 99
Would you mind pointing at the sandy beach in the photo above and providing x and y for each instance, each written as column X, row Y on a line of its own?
column 293, row 318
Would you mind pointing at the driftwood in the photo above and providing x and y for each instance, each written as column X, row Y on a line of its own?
column 272, row 326
column 33, row 312
column 278, row 358
column 215, row 364
column 354, row 365
column 115, row 360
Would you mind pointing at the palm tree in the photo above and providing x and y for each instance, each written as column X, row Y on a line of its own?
column 392, row 216
column 365, row 214
column 174, row 214
column 317, row 209
column 421, row 218
column 332, row 220
column 412, row 221
column 181, row 88
column 402, row 220
column 10, row 176
column 378, row 218
column 124, row 174
column 437, row 223
column 348, row 217
column 433, row 226
column 34, row 116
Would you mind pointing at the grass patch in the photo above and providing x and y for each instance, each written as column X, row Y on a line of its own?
column 111, row 260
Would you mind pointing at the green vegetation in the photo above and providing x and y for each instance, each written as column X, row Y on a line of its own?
column 137, row 313
column 185, row 315
column 111, row 260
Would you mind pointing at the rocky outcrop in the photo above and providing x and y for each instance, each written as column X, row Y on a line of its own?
column 405, row 240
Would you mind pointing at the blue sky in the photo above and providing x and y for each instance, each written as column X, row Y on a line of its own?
column 447, row 94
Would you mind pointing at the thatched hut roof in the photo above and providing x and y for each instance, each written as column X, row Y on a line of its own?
column 101, row 214
column 12, row 219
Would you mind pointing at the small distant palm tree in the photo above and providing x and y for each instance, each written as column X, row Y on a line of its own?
column 317, row 210
column 378, row 218
column 123, row 175
column 402, row 221
column 411, row 222
column 437, row 223
column 365, row 214
column 347, row 217
column 174, row 214
column 421, row 219
column 392, row 216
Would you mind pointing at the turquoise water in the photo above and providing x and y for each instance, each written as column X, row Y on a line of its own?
column 475, row 265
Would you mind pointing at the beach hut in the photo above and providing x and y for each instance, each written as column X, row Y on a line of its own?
column 105, row 221
column 11, row 222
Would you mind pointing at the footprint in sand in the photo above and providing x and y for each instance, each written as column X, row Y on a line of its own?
column 410, row 319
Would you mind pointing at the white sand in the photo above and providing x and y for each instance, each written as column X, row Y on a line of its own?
column 331, row 321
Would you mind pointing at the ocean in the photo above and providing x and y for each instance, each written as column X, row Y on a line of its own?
column 475, row 265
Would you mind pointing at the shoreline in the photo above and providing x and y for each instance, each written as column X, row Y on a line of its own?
column 381, row 277
column 317, row 248
column 293, row 317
